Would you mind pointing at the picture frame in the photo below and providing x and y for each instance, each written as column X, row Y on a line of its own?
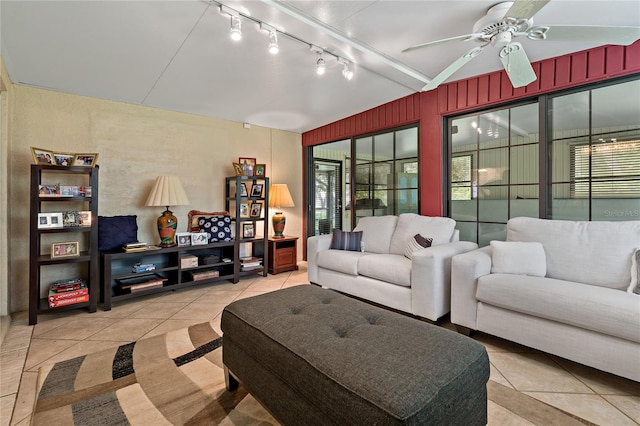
column 247, row 164
column 49, row 220
column 69, row 218
column 260, row 170
column 256, row 210
column 244, row 209
column 83, row 218
column 183, row 239
column 42, row 156
column 66, row 249
column 256, row 190
column 199, row 238
column 237, row 168
column 63, row 159
column 85, row 160
column 243, row 190
column 49, row 190
column 248, row 230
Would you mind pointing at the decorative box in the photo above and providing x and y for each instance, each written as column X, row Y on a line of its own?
column 188, row 261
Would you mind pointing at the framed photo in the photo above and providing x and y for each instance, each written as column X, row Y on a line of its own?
column 247, row 164
column 42, row 156
column 63, row 159
column 183, row 239
column 248, row 230
column 244, row 209
column 260, row 170
column 69, row 218
column 68, row 249
column 85, row 160
column 243, row 190
column 49, row 220
column 256, row 190
column 256, row 209
column 83, row 218
column 199, row 238
column 49, row 190
column 237, row 167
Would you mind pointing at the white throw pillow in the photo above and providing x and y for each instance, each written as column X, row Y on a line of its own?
column 522, row 258
column 418, row 242
column 634, row 287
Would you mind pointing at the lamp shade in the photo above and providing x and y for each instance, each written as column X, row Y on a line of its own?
column 167, row 191
column 279, row 196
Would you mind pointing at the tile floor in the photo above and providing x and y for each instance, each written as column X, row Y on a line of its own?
column 595, row 396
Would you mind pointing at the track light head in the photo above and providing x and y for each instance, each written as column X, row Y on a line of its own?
column 236, row 28
column 320, row 66
column 346, row 69
column 273, row 43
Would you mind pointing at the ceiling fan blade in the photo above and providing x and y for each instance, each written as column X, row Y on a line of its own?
column 517, row 65
column 525, row 9
column 455, row 66
column 599, row 34
column 445, row 40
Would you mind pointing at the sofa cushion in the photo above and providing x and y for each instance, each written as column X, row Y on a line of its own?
column 343, row 240
column 599, row 309
column 340, row 260
column 377, row 232
column 597, row 253
column 634, row 287
column 524, row 258
column 440, row 229
column 418, row 242
column 390, row 268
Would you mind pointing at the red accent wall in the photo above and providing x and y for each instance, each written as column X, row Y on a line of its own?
column 483, row 91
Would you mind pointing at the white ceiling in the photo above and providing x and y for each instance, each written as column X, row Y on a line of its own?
column 177, row 55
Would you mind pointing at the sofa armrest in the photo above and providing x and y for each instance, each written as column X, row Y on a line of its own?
column 466, row 268
column 431, row 278
column 316, row 244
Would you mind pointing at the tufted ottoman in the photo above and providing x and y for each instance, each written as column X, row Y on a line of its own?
column 312, row 356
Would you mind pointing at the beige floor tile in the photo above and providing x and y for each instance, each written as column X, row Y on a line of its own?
column 123, row 309
column 589, row 407
column 536, row 373
column 80, row 330
column 599, row 381
column 43, row 349
column 248, row 293
column 218, row 296
column 17, row 337
column 158, row 310
column 496, row 344
column 10, row 380
column 186, row 295
column 128, row 329
column 199, row 311
column 497, row 377
column 226, row 285
column 170, row 325
column 265, row 285
column 26, row 397
column 6, row 409
column 500, row 416
column 629, row 405
column 25, row 422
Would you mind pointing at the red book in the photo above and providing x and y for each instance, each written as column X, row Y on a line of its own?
column 53, row 297
column 72, row 301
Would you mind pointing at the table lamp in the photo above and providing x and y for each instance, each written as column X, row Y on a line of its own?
column 167, row 191
column 279, row 196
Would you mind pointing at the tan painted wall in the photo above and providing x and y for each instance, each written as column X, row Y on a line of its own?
column 136, row 144
column 4, row 189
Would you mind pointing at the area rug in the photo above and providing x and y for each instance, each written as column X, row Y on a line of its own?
column 177, row 379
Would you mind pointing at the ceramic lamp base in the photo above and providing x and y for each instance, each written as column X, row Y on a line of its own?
column 278, row 222
column 167, row 226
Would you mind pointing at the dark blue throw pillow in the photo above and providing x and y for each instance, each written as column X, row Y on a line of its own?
column 218, row 228
column 344, row 240
column 115, row 231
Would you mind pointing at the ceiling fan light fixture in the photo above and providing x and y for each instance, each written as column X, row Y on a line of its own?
column 537, row 33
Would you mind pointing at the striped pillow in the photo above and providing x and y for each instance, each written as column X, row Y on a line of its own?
column 418, row 242
column 344, row 240
column 634, row 287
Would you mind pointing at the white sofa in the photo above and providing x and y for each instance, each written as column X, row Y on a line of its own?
column 382, row 274
column 581, row 308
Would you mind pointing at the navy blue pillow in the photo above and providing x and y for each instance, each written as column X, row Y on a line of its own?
column 115, row 231
column 344, row 240
column 218, row 228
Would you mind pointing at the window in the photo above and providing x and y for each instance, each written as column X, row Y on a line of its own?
column 461, row 177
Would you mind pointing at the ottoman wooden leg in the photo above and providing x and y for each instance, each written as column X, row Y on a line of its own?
column 230, row 382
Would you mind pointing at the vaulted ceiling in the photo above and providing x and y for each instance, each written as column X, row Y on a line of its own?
column 178, row 55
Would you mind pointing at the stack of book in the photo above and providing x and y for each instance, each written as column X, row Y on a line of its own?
column 146, row 282
column 250, row 263
column 68, row 292
column 137, row 246
column 205, row 274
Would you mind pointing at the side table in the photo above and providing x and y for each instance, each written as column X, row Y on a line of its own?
column 283, row 254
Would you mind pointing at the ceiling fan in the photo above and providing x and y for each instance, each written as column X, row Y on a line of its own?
column 508, row 20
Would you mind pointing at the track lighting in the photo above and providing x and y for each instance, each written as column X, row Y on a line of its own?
column 273, row 38
column 236, row 25
column 320, row 65
column 346, row 70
